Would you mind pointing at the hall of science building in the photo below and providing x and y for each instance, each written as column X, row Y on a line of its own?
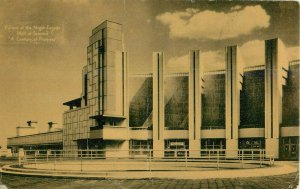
column 236, row 108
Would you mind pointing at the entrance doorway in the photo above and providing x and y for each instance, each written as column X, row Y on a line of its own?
column 289, row 148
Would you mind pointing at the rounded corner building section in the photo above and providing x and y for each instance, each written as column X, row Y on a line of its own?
column 236, row 108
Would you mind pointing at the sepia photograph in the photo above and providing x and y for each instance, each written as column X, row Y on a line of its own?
column 130, row 94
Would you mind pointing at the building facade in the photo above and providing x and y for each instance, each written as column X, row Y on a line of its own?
column 236, row 108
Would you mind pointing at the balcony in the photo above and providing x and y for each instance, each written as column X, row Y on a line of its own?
column 115, row 132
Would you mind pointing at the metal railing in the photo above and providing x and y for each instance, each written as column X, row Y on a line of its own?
column 143, row 159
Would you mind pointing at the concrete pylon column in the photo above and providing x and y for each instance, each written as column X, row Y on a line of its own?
column 158, row 104
column 125, row 89
column 275, row 74
column 195, row 82
column 124, row 85
column 234, row 79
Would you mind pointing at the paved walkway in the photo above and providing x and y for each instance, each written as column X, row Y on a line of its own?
column 271, row 182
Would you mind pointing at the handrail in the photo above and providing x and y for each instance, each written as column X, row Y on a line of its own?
column 174, row 158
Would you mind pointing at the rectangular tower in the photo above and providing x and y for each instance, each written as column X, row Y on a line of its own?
column 106, row 69
column 92, row 117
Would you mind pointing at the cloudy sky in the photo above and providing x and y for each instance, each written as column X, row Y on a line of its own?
column 37, row 77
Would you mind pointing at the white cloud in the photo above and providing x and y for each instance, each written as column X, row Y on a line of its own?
column 237, row 7
column 212, row 60
column 178, row 64
column 252, row 52
column 193, row 24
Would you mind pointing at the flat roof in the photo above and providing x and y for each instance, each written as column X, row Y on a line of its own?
column 36, row 134
column 107, row 116
column 74, row 102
